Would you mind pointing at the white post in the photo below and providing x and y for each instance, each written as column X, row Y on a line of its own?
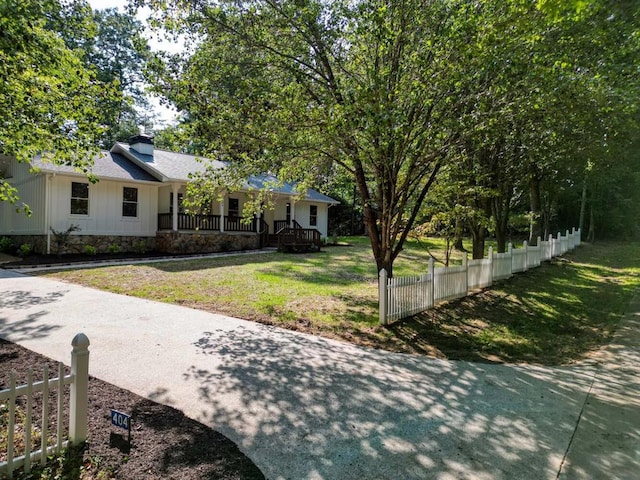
column 490, row 266
column 510, row 252
column 174, row 206
column 465, row 265
column 78, row 405
column 382, row 296
column 525, row 245
column 539, row 252
column 222, row 215
column 432, row 276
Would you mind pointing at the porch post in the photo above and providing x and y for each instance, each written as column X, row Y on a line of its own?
column 222, row 215
column 175, row 207
column 292, row 200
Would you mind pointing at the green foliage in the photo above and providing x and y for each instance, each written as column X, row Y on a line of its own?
column 5, row 244
column 89, row 250
column 140, row 246
column 25, row 250
column 61, row 238
column 113, row 248
column 511, row 98
column 50, row 99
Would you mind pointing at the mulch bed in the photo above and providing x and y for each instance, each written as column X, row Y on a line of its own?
column 43, row 260
column 165, row 443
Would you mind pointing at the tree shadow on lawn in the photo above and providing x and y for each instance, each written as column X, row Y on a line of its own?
column 188, row 265
column 527, row 318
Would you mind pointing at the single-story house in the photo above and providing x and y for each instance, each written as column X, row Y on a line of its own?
column 137, row 204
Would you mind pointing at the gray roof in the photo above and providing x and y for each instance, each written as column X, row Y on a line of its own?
column 108, row 166
column 172, row 166
column 267, row 181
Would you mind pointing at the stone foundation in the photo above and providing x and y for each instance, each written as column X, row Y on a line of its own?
column 205, row 242
column 77, row 243
column 167, row 242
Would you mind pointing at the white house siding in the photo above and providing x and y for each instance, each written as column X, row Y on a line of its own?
column 105, row 208
column 303, row 216
column 31, row 189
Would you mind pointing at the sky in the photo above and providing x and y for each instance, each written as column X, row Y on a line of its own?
column 167, row 116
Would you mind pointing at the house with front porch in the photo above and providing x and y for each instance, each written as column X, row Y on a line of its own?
column 137, row 204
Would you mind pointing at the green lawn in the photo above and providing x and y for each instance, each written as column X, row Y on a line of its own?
column 553, row 314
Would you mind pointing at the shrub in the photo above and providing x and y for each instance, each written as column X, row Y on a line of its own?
column 61, row 238
column 25, row 249
column 5, row 244
column 113, row 248
column 140, row 246
column 90, row 250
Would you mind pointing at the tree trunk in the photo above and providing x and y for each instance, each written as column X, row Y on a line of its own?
column 583, row 204
column 457, row 241
column 478, row 235
column 535, row 228
column 592, row 227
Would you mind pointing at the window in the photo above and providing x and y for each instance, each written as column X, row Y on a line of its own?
column 180, row 198
column 79, row 198
column 234, row 207
column 313, row 215
column 288, row 214
column 129, row 202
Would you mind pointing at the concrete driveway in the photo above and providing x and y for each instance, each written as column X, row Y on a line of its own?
column 303, row 407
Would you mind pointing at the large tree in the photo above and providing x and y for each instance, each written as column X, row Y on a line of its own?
column 49, row 98
column 292, row 87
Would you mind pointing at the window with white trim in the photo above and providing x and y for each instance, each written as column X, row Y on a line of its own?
column 79, row 198
column 234, row 207
column 129, row 202
column 313, row 215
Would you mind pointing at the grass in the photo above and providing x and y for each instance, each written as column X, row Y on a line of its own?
column 554, row 314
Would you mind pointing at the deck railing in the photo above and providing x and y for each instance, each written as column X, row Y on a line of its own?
column 205, row 223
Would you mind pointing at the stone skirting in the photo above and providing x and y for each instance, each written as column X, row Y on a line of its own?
column 205, row 242
column 166, row 242
column 78, row 243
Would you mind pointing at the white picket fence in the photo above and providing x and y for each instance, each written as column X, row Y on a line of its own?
column 402, row 297
column 78, row 402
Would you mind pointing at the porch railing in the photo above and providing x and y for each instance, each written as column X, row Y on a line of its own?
column 294, row 237
column 205, row 223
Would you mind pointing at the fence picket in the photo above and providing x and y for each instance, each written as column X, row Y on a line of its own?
column 77, row 415
column 400, row 297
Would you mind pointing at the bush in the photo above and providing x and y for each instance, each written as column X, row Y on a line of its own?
column 113, row 248
column 25, row 249
column 90, row 250
column 140, row 246
column 61, row 238
column 5, row 244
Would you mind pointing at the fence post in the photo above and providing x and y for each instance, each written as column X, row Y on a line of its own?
column 382, row 296
column 490, row 266
column 525, row 245
column 432, row 287
column 465, row 265
column 78, row 404
column 510, row 251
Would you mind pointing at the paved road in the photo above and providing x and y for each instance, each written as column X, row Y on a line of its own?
column 303, row 407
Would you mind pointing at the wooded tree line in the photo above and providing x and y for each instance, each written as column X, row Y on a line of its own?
column 452, row 116
column 71, row 81
column 461, row 115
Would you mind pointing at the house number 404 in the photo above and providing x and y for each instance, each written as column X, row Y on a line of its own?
column 120, row 419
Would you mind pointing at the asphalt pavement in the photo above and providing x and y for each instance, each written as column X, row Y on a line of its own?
column 304, row 407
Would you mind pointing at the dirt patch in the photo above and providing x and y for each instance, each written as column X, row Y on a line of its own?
column 165, row 443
